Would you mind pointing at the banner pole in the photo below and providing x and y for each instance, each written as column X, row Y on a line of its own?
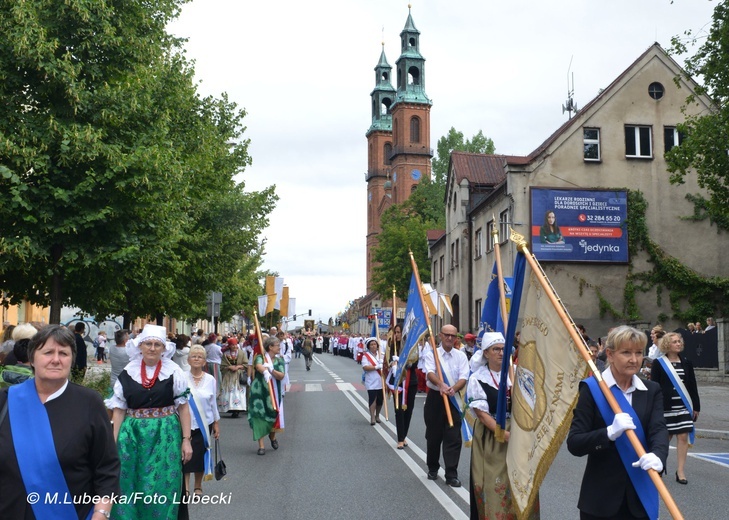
column 426, row 313
column 584, row 351
column 263, row 355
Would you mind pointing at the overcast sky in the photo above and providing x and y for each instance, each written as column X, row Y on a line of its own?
column 303, row 70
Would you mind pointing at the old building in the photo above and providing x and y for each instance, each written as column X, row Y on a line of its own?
column 613, row 145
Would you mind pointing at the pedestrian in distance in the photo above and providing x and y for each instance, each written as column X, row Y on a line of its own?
column 263, row 418
column 681, row 404
column 307, row 348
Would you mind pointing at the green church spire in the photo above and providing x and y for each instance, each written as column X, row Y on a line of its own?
column 411, row 66
column 383, row 96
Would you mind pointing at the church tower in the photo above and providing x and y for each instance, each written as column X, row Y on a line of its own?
column 379, row 149
column 399, row 150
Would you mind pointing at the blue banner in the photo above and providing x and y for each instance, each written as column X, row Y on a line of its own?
column 519, row 270
column 414, row 326
column 491, row 320
column 579, row 225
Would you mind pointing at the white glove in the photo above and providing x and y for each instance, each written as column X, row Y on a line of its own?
column 622, row 422
column 267, row 376
column 249, row 381
column 269, row 366
column 649, row 461
column 378, row 366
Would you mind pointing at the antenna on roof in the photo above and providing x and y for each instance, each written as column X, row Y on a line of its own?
column 569, row 105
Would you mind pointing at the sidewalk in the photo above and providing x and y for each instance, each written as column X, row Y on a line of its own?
column 713, row 420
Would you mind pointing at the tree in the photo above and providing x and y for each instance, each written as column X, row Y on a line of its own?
column 405, row 225
column 703, row 151
column 118, row 179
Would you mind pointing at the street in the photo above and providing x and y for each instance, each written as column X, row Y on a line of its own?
column 332, row 464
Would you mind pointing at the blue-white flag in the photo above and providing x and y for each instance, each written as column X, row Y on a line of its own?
column 414, row 326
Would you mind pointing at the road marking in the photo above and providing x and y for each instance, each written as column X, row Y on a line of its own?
column 312, row 387
column 720, row 459
column 453, row 509
column 441, row 496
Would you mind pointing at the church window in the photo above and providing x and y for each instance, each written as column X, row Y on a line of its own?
column 412, row 188
column 388, row 152
column 415, row 130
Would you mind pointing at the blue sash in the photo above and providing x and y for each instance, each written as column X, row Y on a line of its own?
column 466, row 433
column 671, row 373
column 208, row 461
column 41, row 472
column 642, row 483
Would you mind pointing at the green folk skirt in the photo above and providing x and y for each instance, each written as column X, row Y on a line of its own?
column 151, row 468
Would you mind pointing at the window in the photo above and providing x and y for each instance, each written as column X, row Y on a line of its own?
column 435, row 271
column 489, row 236
column 388, row 153
column 591, row 147
column 656, row 90
column 454, row 254
column 478, row 243
column 414, row 130
column 442, row 267
column 503, row 226
column 671, row 137
column 638, row 142
column 479, row 306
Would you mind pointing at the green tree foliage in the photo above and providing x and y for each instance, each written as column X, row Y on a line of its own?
column 405, row 225
column 703, row 152
column 117, row 177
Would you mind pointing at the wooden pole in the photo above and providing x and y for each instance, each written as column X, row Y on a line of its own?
column 263, row 355
column 585, row 352
column 426, row 313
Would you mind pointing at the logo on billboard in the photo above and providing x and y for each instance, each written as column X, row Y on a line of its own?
column 598, row 248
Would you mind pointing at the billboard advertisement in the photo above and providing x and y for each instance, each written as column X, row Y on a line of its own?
column 571, row 225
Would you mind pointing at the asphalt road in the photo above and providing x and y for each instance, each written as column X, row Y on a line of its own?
column 332, row 464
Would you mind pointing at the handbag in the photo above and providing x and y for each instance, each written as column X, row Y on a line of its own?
column 220, row 469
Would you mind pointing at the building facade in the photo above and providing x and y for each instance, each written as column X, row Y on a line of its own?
column 615, row 142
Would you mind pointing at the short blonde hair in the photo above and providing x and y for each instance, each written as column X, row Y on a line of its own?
column 624, row 334
column 197, row 349
column 665, row 344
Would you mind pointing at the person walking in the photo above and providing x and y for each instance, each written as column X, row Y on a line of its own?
column 681, row 404
column 454, row 368
column 372, row 367
column 307, row 348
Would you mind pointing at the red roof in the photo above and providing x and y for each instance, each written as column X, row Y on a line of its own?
column 435, row 234
column 484, row 169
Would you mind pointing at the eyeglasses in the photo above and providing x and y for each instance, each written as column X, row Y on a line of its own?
column 152, row 344
column 498, row 350
column 448, row 335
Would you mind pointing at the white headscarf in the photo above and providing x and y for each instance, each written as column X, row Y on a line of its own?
column 150, row 332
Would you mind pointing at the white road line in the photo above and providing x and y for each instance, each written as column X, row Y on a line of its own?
column 441, row 496
column 350, row 392
column 312, row 387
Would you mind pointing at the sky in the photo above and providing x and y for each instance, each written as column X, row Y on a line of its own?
column 304, row 71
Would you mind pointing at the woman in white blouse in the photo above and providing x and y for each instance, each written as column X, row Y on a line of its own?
column 203, row 390
column 372, row 378
column 490, row 493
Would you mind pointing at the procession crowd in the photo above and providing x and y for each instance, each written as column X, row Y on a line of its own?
column 153, row 435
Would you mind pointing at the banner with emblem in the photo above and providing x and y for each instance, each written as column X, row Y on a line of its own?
column 544, row 392
column 414, row 326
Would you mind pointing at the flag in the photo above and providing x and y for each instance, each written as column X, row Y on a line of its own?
column 284, row 307
column 444, row 304
column 491, row 319
column 262, row 301
column 414, row 326
column 545, row 389
column 278, row 286
column 270, row 293
column 292, row 307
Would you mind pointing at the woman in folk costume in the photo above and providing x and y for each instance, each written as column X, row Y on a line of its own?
column 616, row 484
column 234, row 376
column 681, row 404
column 203, row 410
column 262, row 416
column 151, row 426
column 404, row 396
column 372, row 366
column 490, row 491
